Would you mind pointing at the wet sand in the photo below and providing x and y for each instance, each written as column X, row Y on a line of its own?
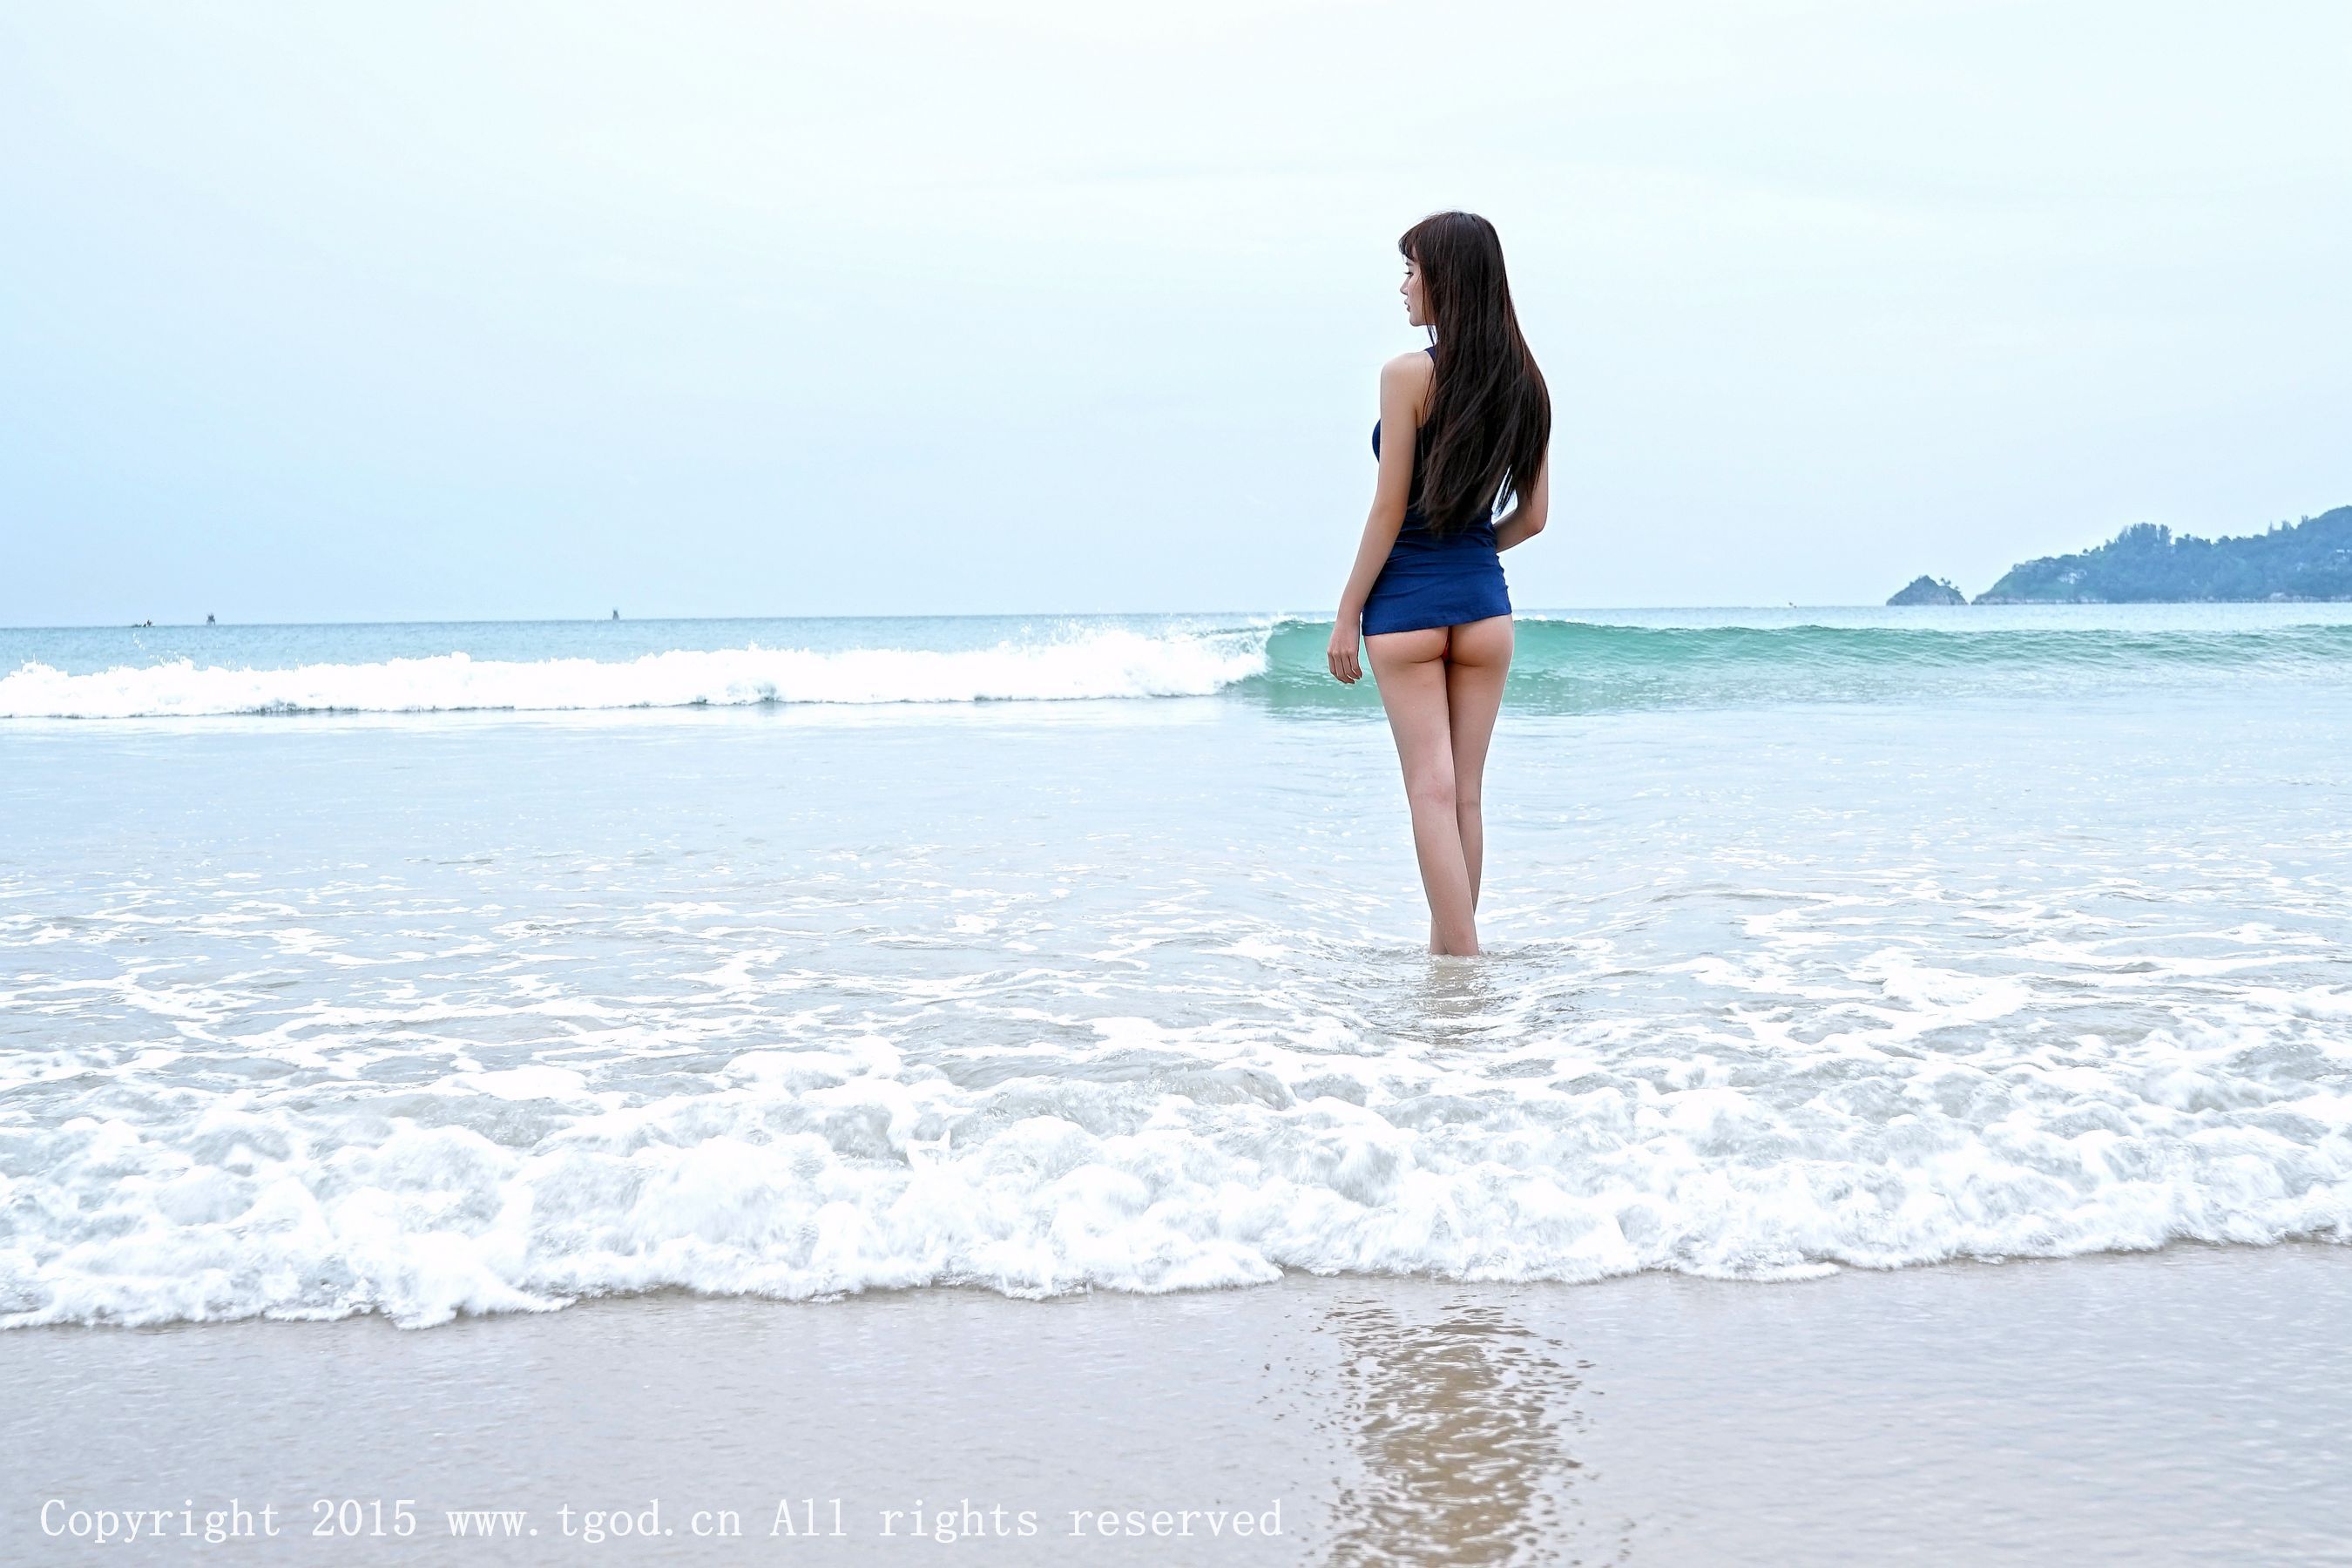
column 2193, row 1405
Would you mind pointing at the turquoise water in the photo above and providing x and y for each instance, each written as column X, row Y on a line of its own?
column 1565, row 662
column 433, row 969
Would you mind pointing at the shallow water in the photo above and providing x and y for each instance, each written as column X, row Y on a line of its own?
column 426, row 1013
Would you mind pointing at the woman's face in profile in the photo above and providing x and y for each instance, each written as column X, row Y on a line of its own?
column 1416, row 309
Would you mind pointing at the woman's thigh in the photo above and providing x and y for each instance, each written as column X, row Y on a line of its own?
column 1410, row 668
column 1478, row 659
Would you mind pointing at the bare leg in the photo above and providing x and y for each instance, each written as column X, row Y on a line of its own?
column 1411, row 669
column 1476, row 660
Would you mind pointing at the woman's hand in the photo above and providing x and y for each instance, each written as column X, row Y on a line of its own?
column 1347, row 638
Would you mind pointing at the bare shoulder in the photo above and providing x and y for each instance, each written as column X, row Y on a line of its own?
column 1406, row 382
column 1412, row 369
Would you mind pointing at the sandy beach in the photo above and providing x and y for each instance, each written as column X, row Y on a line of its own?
column 2192, row 1405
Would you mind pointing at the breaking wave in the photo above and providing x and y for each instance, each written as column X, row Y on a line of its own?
column 1559, row 665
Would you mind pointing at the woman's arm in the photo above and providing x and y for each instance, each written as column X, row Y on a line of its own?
column 1529, row 512
column 1404, row 381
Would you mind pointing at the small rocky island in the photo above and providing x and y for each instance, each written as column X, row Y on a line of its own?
column 1929, row 591
column 2149, row 565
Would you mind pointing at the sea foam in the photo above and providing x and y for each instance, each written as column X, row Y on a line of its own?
column 1110, row 662
column 1559, row 665
column 814, row 1172
column 314, row 1020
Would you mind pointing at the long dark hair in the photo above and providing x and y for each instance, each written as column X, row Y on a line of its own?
column 1490, row 415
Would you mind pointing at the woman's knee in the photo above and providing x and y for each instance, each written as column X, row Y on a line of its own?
column 1432, row 789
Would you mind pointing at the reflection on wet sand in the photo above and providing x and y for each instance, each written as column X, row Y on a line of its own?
column 1462, row 1425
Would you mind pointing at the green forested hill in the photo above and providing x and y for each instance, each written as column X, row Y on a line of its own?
column 2310, row 559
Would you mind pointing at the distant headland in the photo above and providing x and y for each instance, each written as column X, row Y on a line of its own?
column 2311, row 560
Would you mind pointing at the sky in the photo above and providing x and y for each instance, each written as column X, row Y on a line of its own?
column 401, row 312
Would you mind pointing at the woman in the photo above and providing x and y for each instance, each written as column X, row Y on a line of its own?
column 1426, row 597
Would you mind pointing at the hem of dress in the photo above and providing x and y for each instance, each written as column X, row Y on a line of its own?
column 1372, row 631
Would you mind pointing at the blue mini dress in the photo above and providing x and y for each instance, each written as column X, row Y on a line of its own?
column 1432, row 581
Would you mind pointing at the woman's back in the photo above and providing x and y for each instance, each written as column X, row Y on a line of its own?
column 1417, row 533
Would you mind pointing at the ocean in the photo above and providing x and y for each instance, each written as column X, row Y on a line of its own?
column 422, row 970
